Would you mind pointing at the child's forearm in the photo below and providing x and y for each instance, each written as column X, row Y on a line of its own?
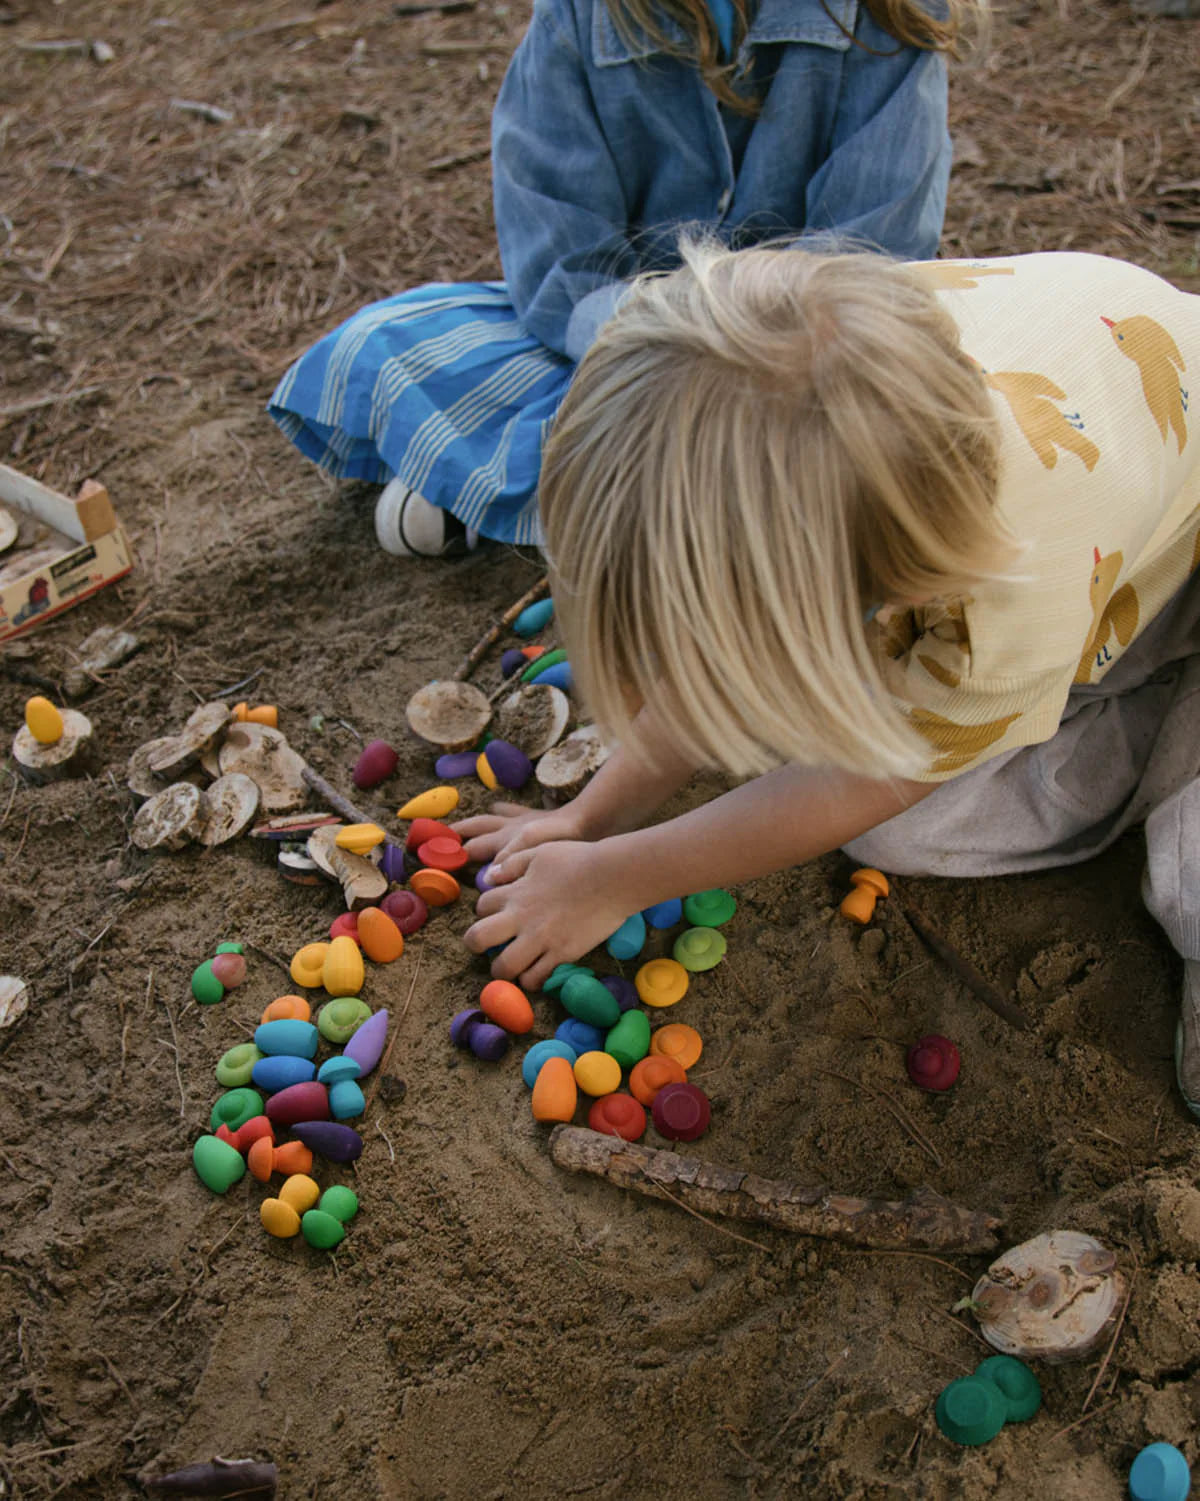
column 628, row 788
column 778, row 820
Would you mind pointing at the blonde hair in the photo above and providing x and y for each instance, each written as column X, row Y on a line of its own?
column 759, row 447
column 963, row 23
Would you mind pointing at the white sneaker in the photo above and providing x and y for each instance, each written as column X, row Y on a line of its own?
column 407, row 526
column 1187, row 1037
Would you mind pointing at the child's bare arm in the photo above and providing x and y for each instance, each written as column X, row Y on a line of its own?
column 558, row 900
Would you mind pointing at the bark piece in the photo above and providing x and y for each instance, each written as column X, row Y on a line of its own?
column 107, row 646
column 923, row 1221
column 264, row 755
column 232, row 804
column 564, row 771
column 139, row 778
column 171, row 818
column 362, row 882
column 14, row 999
column 534, row 718
column 203, row 730
column 542, row 587
column 64, row 758
column 449, row 714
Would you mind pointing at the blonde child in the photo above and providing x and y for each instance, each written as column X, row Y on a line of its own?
column 618, row 122
column 912, row 548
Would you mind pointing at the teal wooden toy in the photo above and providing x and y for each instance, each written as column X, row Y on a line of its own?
column 288, row 1037
column 346, row 1100
column 533, row 617
column 1160, row 1473
column 629, row 939
column 585, row 998
column 334, row 1070
column 560, row 974
column 532, row 1062
column 971, row 1410
column 1020, row 1387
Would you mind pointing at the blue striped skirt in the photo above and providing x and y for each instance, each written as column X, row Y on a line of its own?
column 440, row 386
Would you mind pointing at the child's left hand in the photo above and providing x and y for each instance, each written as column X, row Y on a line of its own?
column 550, row 904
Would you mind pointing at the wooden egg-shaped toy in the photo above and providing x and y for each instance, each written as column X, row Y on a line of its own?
column 508, row 764
column 588, row 1000
column 294, row 1038
column 597, row 1073
column 339, row 1201
column 629, row 1040
column 300, row 1102
column 435, row 803
column 206, row 988
column 331, row 1139
column 629, row 939
column 322, row 1231
column 377, row 761
column 485, row 773
column 359, row 838
column 342, row 972
column 455, row 764
column 308, row 964
column 281, row 1071
column 365, row 1046
column 533, row 617
column 421, row 830
column 218, row 1165
column 378, row 936
column 279, row 1219
column 555, row 1091
column 507, row 1005
column 43, row 720
column 300, row 1191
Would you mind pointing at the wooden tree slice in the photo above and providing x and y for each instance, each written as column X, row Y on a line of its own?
column 320, row 842
column 50, row 763
column 534, row 718
column 1052, row 1298
column 263, row 754
column 139, row 778
column 203, row 730
column 449, row 714
column 232, row 803
column 563, row 772
column 171, row 818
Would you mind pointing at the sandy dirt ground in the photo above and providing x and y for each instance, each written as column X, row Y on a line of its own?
column 492, row 1327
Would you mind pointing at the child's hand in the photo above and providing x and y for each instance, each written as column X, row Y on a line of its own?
column 553, row 903
column 509, row 827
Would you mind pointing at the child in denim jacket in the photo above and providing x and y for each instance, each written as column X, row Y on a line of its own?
column 617, row 124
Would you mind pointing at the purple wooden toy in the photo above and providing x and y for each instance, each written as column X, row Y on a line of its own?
column 366, row 1044
column 624, row 990
column 391, row 861
column 463, row 1025
column 335, row 1142
column 513, row 658
column 456, row 764
column 299, row 1102
column 487, row 1041
column 406, row 909
column 511, row 767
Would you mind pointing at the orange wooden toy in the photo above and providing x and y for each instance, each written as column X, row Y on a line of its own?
column 868, row 886
column 288, row 1008
column 507, row 1005
column 264, row 1158
column 379, row 936
column 555, row 1091
column 652, row 1073
column 436, row 888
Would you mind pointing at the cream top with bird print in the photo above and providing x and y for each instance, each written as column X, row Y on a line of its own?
column 1088, row 360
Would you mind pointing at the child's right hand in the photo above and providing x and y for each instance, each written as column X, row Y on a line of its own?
column 509, row 827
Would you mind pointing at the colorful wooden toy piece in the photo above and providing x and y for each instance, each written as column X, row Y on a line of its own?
column 235, row 1108
column 629, row 1041
column 629, row 939
column 344, row 925
column 300, row 1102
column 508, row 764
column 1021, row 1388
column 287, row 1008
column 218, row 1165
column 365, row 1047
column 264, row 1158
column 507, row 1005
column 343, row 972
column 443, row 853
column 435, row 803
column 378, row 936
column 359, row 838
column 43, row 720
column 653, row 1073
column 868, row 886
column 230, row 969
column 456, row 764
column 339, row 1019
column 709, row 909
column 970, row 1410
column 933, row 1062
column 699, row 949
column 664, row 914
column 551, row 1047
column 662, row 982
column 1160, row 1473
column 295, row 1039
column 681, row 1112
column 597, row 1073
column 235, row 1068
column 436, row 888
column 406, row 909
column 322, row 1231
column 206, row 988
column 331, row 1139
column 555, row 1091
column 376, row 762
column 308, row 964
column 618, row 1115
column 534, row 617
column 678, row 1041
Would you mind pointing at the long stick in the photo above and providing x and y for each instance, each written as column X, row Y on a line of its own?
column 923, row 1221
column 467, row 665
column 340, row 804
column 982, row 989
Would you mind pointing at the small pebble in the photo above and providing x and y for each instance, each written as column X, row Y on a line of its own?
column 681, row 1112
column 699, row 949
column 618, row 1115
column 549, row 1048
column 534, row 617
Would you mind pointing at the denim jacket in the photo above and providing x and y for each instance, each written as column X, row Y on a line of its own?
column 603, row 151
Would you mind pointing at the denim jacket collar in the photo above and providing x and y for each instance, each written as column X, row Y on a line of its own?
column 776, row 21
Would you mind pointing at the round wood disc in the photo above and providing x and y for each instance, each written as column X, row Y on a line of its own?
column 449, row 714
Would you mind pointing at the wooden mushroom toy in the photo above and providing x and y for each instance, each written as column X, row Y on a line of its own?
column 867, row 886
column 1052, row 1298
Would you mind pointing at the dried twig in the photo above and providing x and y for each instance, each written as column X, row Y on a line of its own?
column 469, row 662
column 457, row 159
column 837, row 1360
column 59, row 398
column 895, row 1110
column 1087, row 1418
column 982, row 989
column 382, row 1069
column 1112, row 1344
column 334, row 799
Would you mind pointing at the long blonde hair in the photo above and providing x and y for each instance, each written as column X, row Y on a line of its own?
column 963, row 22
column 760, row 446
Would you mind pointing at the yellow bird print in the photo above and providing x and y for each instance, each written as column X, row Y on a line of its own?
column 1155, row 353
column 1110, row 612
column 1031, row 399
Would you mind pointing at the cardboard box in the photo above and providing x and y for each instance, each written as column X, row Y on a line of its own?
column 65, row 550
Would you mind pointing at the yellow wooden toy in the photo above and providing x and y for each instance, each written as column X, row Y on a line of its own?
column 43, row 721
column 435, row 803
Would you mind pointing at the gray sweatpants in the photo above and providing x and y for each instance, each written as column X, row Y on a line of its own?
column 1127, row 751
